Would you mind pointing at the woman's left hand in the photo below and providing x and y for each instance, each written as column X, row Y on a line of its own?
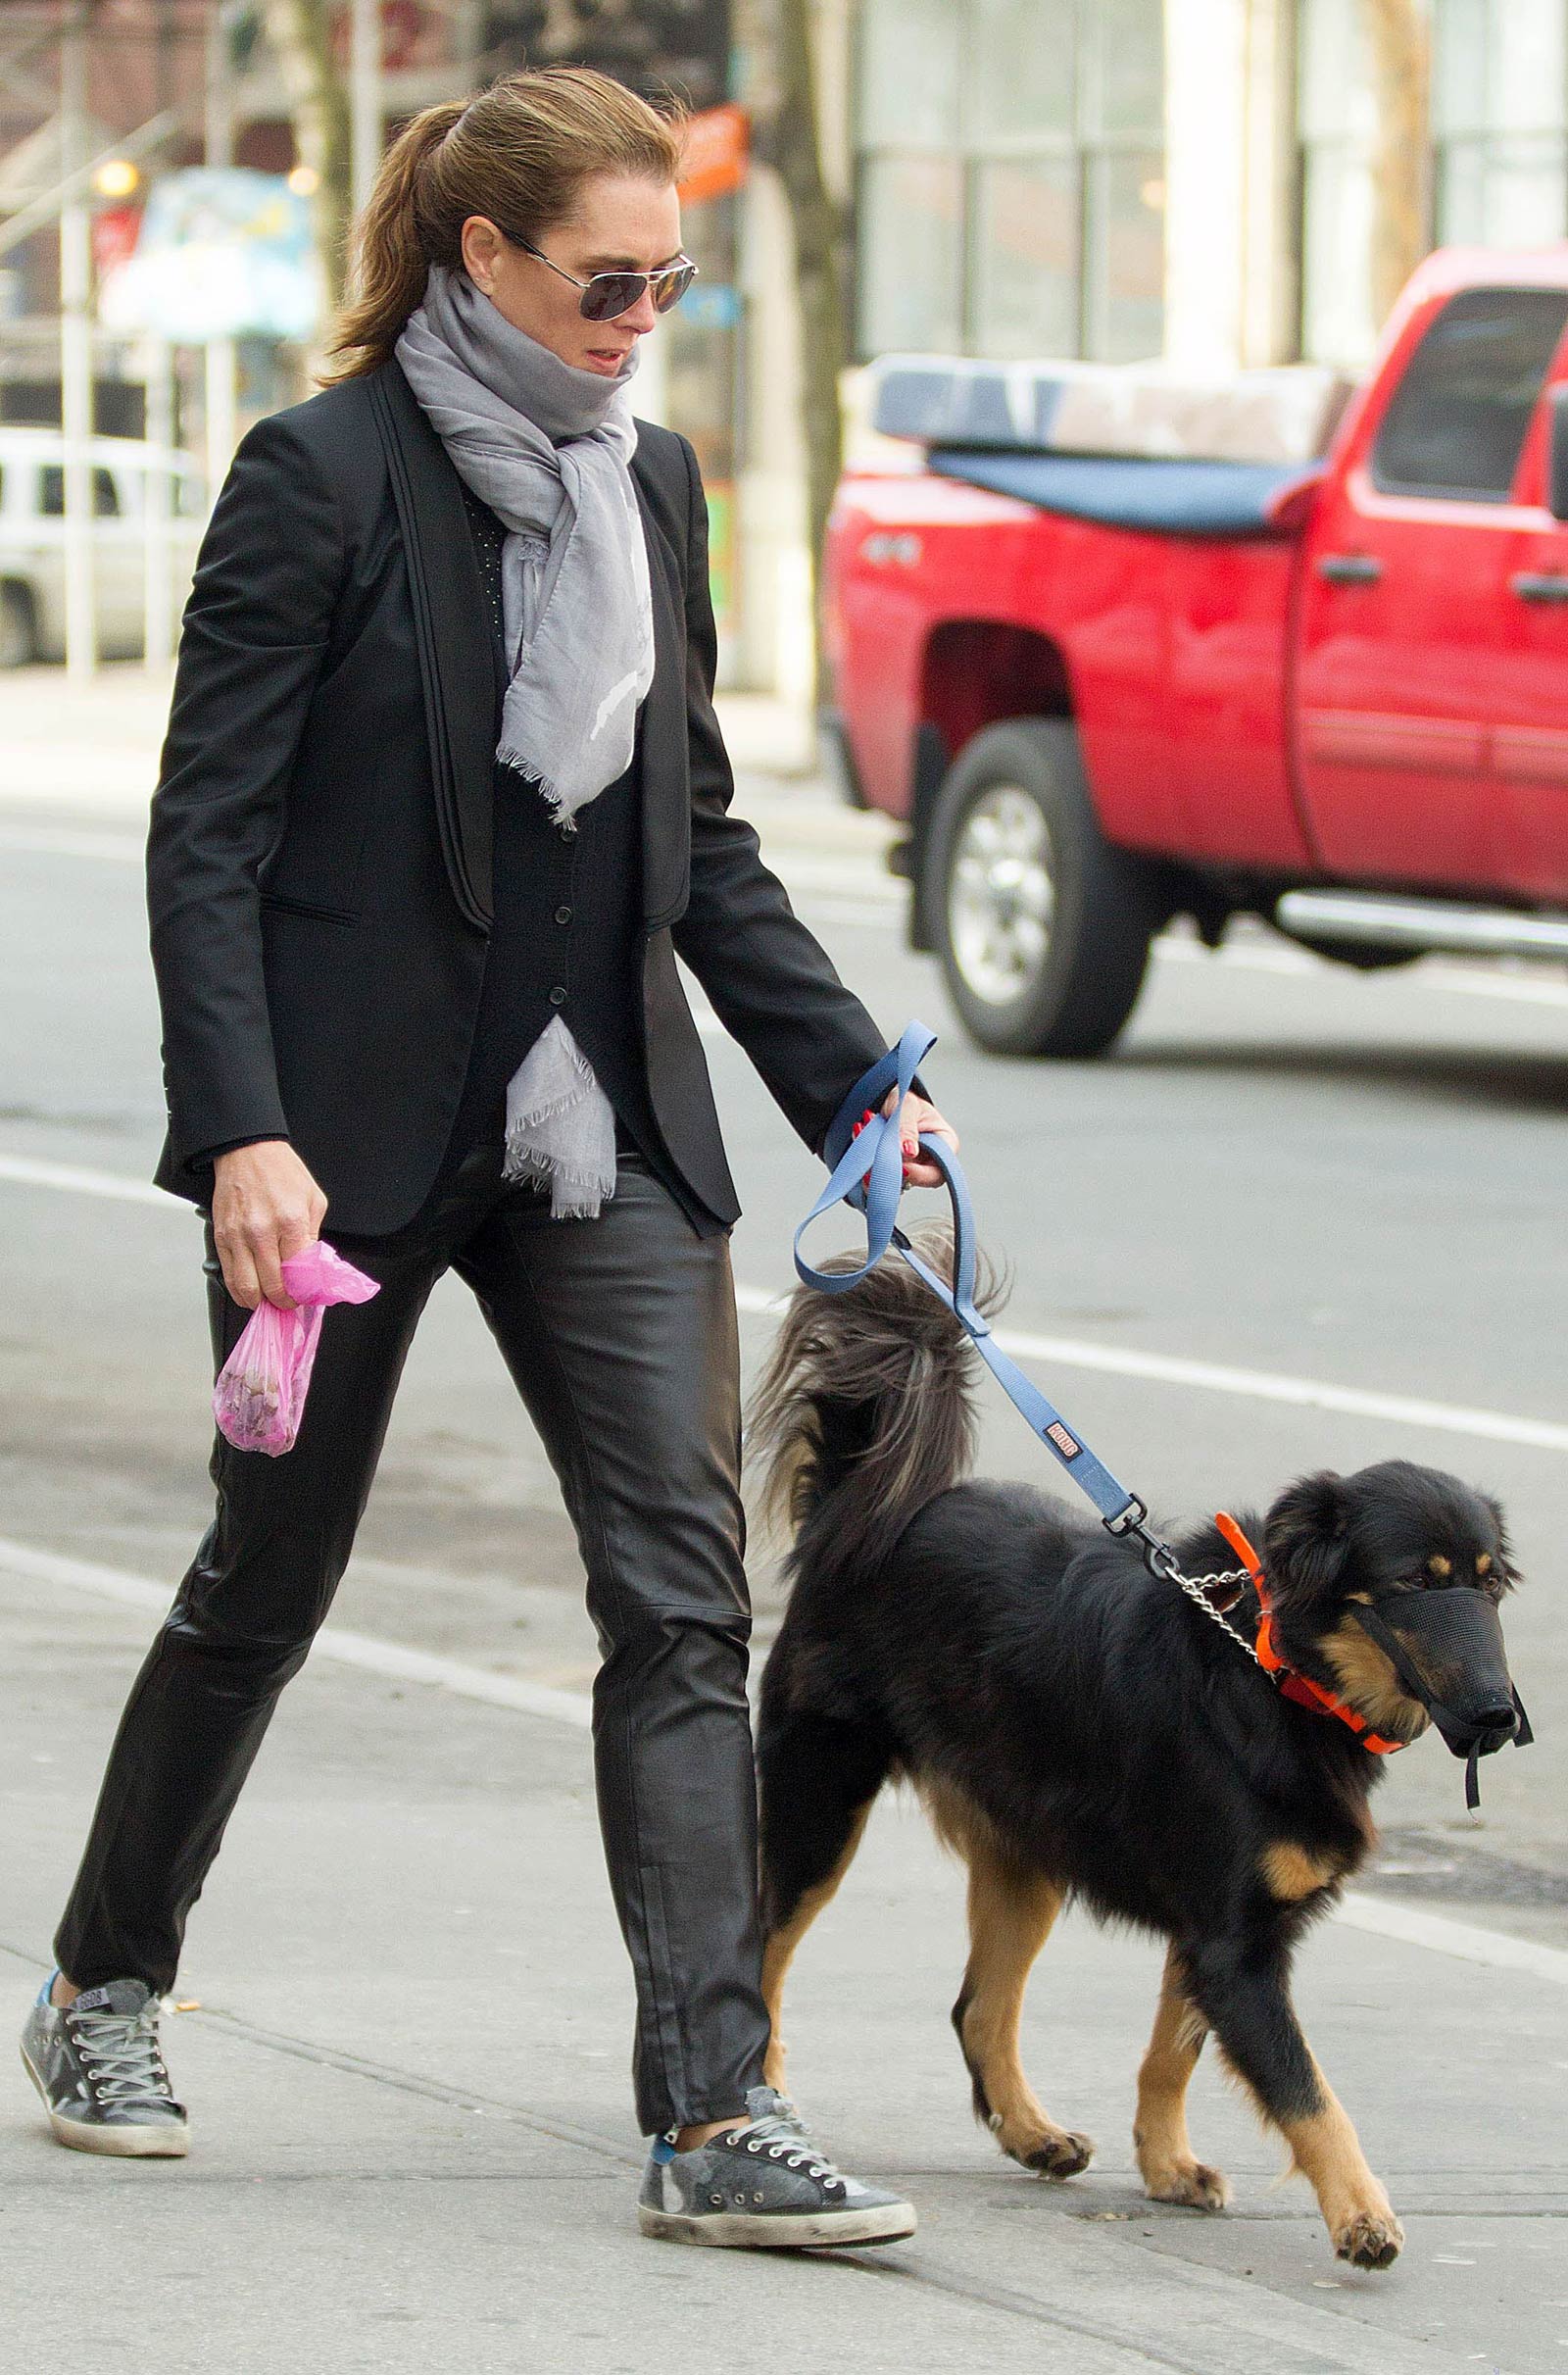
column 920, row 1117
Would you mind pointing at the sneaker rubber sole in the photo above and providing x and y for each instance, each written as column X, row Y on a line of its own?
column 144, row 2140
column 783, row 2230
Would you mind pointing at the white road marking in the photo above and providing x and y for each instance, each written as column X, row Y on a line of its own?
column 388, row 1658
column 390, row 1661
column 79, row 1182
column 1466, row 982
column 1463, row 1939
column 71, row 841
column 1059, row 1351
column 1254, row 1385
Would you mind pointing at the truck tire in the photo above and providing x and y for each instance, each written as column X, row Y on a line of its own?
column 1043, row 927
column 19, row 634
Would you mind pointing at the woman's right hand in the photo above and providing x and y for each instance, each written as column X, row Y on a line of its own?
column 266, row 1207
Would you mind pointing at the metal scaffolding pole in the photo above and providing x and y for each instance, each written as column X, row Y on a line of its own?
column 76, row 355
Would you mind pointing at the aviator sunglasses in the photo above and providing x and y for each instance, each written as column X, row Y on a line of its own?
column 608, row 295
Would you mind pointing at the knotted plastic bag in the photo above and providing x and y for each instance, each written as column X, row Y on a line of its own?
column 259, row 1399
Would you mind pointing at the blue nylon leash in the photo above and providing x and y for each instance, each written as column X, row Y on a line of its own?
column 876, row 1157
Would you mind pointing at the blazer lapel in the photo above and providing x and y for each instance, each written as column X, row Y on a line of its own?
column 666, row 757
column 456, row 657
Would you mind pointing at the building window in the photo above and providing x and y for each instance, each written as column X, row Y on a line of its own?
column 1499, row 110
column 1336, row 117
column 1499, row 148
column 1011, row 178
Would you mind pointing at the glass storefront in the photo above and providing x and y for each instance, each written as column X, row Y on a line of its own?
column 1010, row 187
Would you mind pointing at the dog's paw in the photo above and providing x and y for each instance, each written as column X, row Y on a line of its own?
column 1192, row 2183
column 1372, row 2239
column 1053, row 2152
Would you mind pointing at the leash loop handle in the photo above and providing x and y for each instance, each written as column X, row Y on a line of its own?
column 876, row 1158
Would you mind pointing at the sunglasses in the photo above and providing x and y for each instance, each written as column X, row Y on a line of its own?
column 608, row 295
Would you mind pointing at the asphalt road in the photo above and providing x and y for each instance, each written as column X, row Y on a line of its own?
column 1302, row 1219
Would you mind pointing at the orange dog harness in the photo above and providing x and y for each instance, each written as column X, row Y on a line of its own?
column 1300, row 1687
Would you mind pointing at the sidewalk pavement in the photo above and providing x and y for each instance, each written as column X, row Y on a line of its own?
column 414, row 2151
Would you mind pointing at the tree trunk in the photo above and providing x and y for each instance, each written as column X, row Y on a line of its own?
column 1399, row 46
column 299, row 35
column 786, row 136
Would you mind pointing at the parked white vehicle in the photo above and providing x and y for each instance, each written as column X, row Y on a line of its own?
column 33, row 540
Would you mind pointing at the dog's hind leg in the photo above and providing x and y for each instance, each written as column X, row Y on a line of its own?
column 1242, row 1987
column 1011, row 1910
column 817, row 1778
column 1164, row 2151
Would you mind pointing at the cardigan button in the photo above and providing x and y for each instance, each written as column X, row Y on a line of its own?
column 562, row 915
column 558, row 995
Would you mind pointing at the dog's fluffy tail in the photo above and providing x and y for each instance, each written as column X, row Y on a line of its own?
column 866, row 1411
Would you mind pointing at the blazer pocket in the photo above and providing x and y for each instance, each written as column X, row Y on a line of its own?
column 282, row 903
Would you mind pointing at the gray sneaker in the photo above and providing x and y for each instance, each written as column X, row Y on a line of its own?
column 97, row 2064
column 763, row 2184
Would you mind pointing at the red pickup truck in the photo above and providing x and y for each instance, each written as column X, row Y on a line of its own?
column 1105, row 691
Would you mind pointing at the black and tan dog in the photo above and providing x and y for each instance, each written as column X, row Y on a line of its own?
column 1077, row 1729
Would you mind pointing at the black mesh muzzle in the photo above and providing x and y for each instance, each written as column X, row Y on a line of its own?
column 1454, row 1635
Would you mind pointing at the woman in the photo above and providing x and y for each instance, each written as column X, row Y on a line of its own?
column 442, row 797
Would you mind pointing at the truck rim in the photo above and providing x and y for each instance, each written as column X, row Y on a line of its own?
column 999, row 895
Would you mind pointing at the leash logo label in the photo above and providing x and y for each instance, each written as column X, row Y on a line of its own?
column 1065, row 1443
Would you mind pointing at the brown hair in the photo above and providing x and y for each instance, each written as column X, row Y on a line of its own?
column 517, row 153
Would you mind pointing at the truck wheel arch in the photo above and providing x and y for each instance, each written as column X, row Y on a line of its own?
column 974, row 673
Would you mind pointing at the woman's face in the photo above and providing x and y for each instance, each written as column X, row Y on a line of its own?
column 621, row 223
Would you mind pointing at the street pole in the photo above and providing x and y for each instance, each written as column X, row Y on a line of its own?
column 158, row 504
column 365, row 99
column 76, row 356
column 221, row 416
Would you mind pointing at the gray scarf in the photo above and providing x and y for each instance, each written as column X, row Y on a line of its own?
column 547, row 447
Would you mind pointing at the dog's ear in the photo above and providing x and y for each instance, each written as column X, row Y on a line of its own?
column 1504, row 1572
column 1306, row 1537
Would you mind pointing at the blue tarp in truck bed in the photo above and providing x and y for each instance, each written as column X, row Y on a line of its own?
column 1159, row 497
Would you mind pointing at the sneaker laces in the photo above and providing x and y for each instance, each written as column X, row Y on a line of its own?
column 121, row 2052
column 783, row 2137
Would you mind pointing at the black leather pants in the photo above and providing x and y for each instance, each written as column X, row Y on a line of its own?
column 621, row 1334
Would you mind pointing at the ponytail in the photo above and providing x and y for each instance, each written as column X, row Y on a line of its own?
column 516, row 153
column 390, row 260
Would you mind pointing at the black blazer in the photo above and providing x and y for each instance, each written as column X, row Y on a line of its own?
column 318, row 865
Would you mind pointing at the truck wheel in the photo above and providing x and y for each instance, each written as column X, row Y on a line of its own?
column 19, row 640
column 1042, row 926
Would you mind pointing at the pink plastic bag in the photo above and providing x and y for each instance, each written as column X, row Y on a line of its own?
column 258, row 1399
